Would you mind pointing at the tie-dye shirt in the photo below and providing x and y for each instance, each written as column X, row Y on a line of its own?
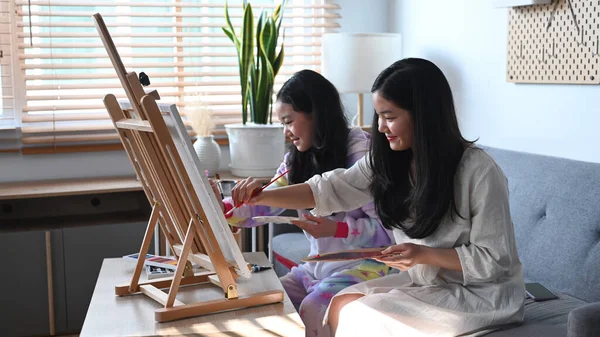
column 364, row 227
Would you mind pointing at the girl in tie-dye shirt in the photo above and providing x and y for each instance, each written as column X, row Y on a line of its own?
column 309, row 106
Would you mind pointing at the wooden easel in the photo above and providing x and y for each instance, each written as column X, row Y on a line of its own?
column 176, row 205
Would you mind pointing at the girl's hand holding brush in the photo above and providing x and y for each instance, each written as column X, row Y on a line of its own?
column 217, row 192
column 244, row 190
column 216, row 187
column 249, row 189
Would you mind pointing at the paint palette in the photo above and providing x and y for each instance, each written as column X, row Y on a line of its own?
column 157, row 261
column 347, row 255
column 279, row 219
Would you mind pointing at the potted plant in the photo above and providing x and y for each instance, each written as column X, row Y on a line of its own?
column 256, row 145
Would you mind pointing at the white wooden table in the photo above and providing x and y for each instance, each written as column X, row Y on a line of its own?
column 110, row 315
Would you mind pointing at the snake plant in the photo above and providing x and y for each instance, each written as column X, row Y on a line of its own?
column 258, row 64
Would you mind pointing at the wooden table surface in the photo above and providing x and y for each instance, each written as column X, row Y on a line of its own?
column 110, row 315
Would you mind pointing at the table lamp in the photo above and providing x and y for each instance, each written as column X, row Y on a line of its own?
column 352, row 61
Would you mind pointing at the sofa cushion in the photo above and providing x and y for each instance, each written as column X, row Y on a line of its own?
column 584, row 321
column 543, row 319
column 555, row 209
column 289, row 248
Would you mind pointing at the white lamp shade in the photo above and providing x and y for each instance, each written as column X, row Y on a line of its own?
column 352, row 61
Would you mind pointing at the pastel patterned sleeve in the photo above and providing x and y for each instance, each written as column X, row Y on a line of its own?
column 242, row 216
column 364, row 229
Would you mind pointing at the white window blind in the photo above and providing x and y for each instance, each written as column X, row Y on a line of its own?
column 6, row 54
column 179, row 44
column 8, row 122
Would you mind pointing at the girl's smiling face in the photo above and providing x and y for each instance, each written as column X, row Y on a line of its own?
column 397, row 124
column 298, row 126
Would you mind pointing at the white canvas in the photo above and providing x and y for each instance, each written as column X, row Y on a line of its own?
column 208, row 200
column 205, row 194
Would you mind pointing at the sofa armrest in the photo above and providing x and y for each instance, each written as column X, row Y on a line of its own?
column 584, row 321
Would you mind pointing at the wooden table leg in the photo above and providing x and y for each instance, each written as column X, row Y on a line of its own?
column 50, row 283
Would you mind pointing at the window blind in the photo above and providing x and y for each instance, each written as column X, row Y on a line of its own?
column 179, row 44
column 6, row 54
column 8, row 131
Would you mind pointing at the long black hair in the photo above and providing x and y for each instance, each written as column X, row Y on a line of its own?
column 310, row 93
column 420, row 87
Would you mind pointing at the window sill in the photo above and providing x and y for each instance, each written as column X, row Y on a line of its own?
column 66, row 187
column 220, row 138
column 82, row 186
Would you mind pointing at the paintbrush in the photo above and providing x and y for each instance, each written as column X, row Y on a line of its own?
column 219, row 186
column 257, row 192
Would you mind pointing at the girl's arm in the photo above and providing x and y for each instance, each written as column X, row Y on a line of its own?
column 333, row 191
column 297, row 196
column 491, row 252
column 406, row 255
column 364, row 229
column 446, row 258
column 242, row 216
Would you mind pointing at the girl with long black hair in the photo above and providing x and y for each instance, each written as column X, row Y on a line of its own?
column 447, row 203
column 309, row 106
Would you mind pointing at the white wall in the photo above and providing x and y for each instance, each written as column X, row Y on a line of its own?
column 467, row 40
column 361, row 16
column 357, row 16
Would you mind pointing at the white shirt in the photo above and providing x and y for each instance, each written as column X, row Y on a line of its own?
column 427, row 300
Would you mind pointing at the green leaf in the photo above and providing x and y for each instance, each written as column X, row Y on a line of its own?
column 266, row 78
column 251, row 98
column 257, row 71
column 268, row 40
column 278, row 61
column 268, row 97
column 279, row 16
column 233, row 38
column 254, row 71
column 259, row 29
column 260, row 87
column 277, row 12
column 237, row 42
column 246, row 58
column 265, row 85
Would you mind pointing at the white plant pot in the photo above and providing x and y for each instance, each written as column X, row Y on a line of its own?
column 256, row 150
column 209, row 153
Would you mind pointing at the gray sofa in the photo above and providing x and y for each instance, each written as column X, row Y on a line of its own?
column 555, row 207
